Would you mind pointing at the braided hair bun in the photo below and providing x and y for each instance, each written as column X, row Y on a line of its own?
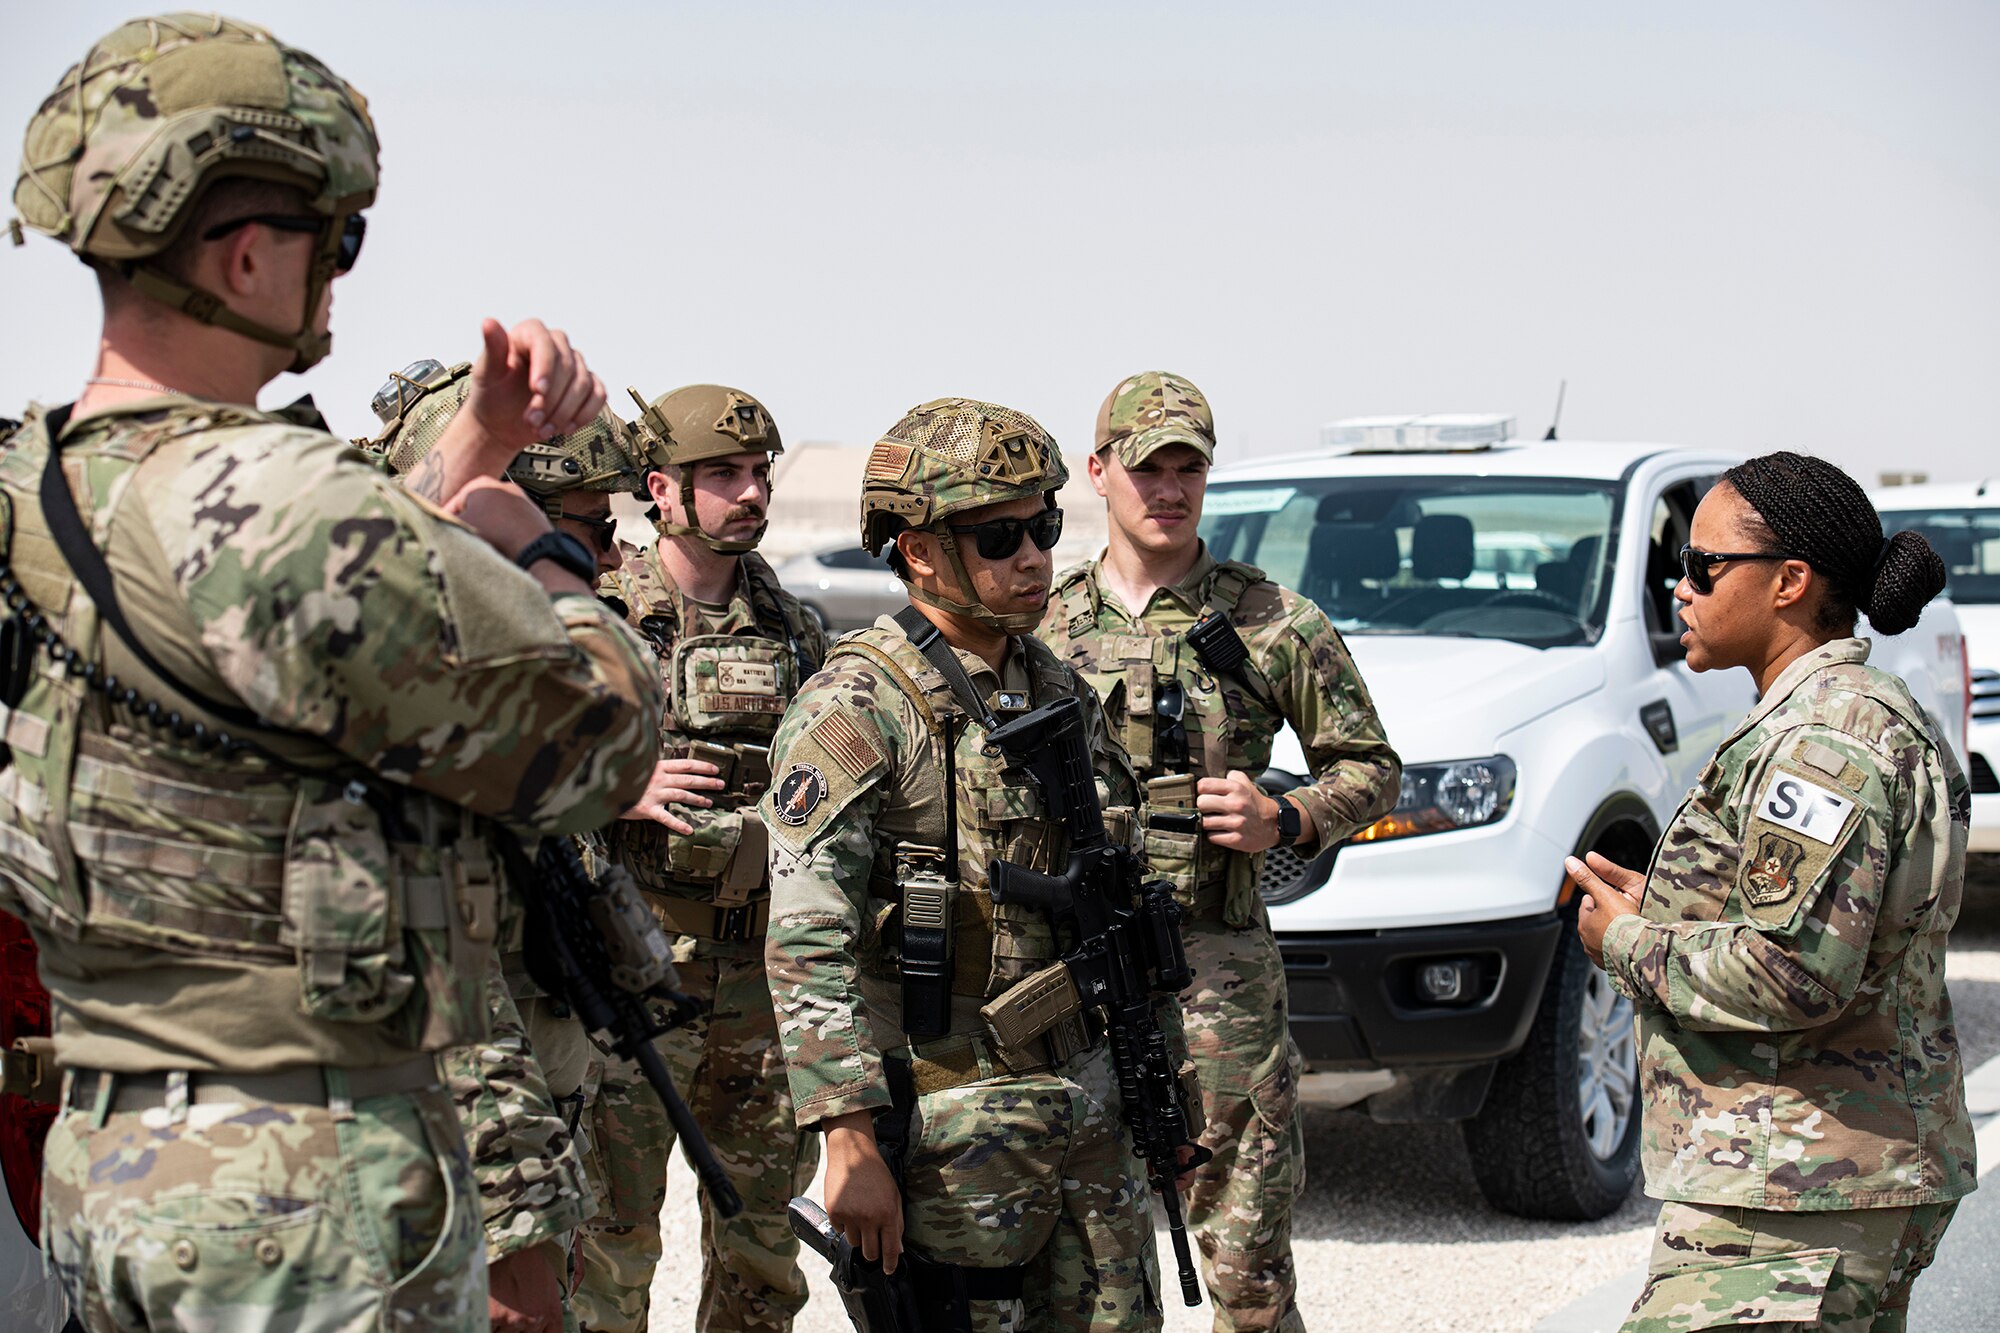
column 1815, row 512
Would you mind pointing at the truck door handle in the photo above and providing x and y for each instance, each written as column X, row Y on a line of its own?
column 1658, row 719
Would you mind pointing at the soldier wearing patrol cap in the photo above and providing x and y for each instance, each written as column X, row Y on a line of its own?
column 519, row 1092
column 277, row 706
column 1805, row 1119
column 733, row 647
column 886, row 795
column 1200, row 663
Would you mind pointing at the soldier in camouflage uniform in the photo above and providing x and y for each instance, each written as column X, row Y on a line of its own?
column 732, row 647
column 1805, row 1118
column 1198, row 736
column 274, row 703
column 521, row 1092
column 1018, row 1169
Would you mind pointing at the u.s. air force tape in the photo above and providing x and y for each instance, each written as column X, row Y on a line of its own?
column 1805, row 807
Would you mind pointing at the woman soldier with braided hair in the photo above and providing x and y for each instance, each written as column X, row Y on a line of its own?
column 1805, row 1124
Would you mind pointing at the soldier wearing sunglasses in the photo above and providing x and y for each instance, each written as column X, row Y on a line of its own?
column 1001, row 1158
column 1805, row 1120
column 304, row 691
column 1200, row 664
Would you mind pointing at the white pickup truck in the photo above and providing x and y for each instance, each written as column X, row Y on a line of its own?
column 1510, row 605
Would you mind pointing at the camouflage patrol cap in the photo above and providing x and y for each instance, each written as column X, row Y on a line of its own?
column 419, row 401
column 121, row 153
column 1150, row 410
column 952, row 454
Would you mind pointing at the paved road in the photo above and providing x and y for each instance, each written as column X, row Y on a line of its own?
column 1392, row 1232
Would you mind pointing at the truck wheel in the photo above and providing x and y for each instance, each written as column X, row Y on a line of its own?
column 1558, row 1137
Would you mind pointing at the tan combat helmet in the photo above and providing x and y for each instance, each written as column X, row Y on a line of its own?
column 419, row 401
column 696, row 422
column 1153, row 409
column 950, row 455
column 122, row 152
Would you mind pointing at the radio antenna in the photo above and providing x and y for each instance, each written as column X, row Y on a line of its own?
column 1555, row 421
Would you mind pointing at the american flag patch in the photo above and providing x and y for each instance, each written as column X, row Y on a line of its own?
column 887, row 462
column 836, row 734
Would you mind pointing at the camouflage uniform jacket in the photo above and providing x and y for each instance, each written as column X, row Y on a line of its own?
column 1798, row 1050
column 338, row 907
column 860, row 769
column 1299, row 672
column 727, row 674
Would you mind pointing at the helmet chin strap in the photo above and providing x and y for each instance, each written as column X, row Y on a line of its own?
column 666, row 527
column 1013, row 622
column 307, row 346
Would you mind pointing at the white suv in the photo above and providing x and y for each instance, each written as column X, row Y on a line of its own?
column 1510, row 605
column 1963, row 522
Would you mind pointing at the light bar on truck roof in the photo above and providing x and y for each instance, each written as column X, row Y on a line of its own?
column 1436, row 431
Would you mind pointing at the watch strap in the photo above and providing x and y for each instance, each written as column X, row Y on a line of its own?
column 562, row 548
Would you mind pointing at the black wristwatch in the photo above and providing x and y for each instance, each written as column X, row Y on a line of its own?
column 562, row 548
column 1289, row 826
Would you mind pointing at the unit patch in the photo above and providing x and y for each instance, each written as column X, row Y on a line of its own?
column 1772, row 873
column 799, row 794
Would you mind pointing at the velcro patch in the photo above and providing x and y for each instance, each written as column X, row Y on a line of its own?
column 845, row 743
column 1791, row 800
column 800, row 792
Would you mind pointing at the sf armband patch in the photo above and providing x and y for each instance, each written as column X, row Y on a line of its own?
column 1796, row 829
column 800, row 792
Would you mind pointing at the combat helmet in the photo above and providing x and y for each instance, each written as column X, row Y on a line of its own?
column 702, row 421
column 120, row 155
column 1153, row 409
column 417, row 402
column 950, row 455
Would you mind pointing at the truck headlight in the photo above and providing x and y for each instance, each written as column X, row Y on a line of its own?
column 1437, row 798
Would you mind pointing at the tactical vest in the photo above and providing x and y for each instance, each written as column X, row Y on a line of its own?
column 725, row 696
column 998, row 813
column 123, row 822
column 1131, row 674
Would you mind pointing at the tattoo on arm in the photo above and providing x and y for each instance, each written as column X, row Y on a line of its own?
column 426, row 479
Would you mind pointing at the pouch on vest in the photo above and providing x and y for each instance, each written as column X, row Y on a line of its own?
column 701, row 860
column 340, row 879
column 731, row 684
column 1172, row 835
column 928, row 899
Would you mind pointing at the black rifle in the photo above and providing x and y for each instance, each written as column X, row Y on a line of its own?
column 1127, row 953
column 594, row 944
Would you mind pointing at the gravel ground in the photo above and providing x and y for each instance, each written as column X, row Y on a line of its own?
column 1392, row 1232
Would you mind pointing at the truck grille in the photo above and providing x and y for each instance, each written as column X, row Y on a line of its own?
column 1984, row 783
column 1287, row 876
column 1985, row 693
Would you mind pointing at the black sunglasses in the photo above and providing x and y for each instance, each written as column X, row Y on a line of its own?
column 603, row 531
column 352, row 232
column 1698, row 565
column 998, row 538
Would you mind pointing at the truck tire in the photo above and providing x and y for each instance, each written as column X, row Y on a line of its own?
column 1558, row 1137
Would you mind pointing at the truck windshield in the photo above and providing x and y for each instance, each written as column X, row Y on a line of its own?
column 1519, row 558
column 1969, row 541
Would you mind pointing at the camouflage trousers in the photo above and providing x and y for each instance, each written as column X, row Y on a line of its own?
column 251, row 1216
column 1036, row 1170
column 730, row 1070
column 1240, row 1208
column 1715, row 1267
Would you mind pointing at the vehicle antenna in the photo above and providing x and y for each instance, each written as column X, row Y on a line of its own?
column 1555, row 421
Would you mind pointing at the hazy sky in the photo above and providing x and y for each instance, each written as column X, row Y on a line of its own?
column 1751, row 225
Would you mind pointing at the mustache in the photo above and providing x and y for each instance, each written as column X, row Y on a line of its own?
column 743, row 511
